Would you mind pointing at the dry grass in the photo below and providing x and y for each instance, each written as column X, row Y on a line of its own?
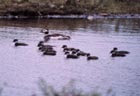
column 44, row 7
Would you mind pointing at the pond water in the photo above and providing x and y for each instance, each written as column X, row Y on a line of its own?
column 21, row 67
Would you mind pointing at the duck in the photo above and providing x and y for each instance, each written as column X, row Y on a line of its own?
column 72, row 56
column 51, row 52
column 73, row 52
column 118, row 55
column 47, row 38
column 45, row 47
column 19, row 43
column 64, row 46
column 64, row 37
column 66, row 49
column 41, row 43
column 81, row 53
column 67, row 52
column 115, row 51
column 92, row 57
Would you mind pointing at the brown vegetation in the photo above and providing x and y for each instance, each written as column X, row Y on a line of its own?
column 45, row 7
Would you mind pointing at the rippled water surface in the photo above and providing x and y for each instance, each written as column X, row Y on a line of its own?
column 21, row 67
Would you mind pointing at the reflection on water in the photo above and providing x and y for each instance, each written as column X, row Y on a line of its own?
column 22, row 66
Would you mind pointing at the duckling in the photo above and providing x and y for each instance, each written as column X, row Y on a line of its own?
column 73, row 52
column 66, row 49
column 72, row 49
column 81, row 53
column 49, row 52
column 91, row 57
column 77, row 50
column 46, row 38
column 115, row 50
column 41, row 43
column 19, row 44
column 118, row 55
column 44, row 48
column 67, row 52
column 64, row 46
column 72, row 56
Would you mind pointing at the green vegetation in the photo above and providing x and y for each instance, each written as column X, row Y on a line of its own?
column 44, row 7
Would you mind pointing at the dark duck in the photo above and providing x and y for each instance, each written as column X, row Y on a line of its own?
column 116, row 53
column 72, row 56
column 19, row 43
column 92, row 57
column 51, row 52
column 43, row 47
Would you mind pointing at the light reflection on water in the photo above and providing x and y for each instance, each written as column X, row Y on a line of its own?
column 21, row 67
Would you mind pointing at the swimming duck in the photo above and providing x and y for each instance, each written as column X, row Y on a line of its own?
column 81, row 53
column 41, row 43
column 47, row 38
column 51, row 52
column 64, row 46
column 67, row 52
column 115, row 51
column 64, row 37
column 117, row 55
column 73, row 52
column 72, row 56
column 45, row 47
column 19, row 44
column 91, row 57
column 66, row 49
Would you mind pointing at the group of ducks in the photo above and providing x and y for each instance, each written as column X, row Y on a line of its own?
column 49, row 49
column 73, row 53
column 46, row 49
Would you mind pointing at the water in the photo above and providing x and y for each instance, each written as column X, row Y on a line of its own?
column 21, row 67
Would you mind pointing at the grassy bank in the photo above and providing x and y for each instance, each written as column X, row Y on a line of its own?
column 66, row 7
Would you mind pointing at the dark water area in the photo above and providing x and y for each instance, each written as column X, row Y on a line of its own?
column 21, row 67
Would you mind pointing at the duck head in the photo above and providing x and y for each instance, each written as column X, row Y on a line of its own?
column 114, row 50
column 64, row 46
column 15, row 40
column 88, row 54
column 41, row 43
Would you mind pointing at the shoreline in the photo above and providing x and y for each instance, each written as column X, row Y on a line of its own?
column 90, row 17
